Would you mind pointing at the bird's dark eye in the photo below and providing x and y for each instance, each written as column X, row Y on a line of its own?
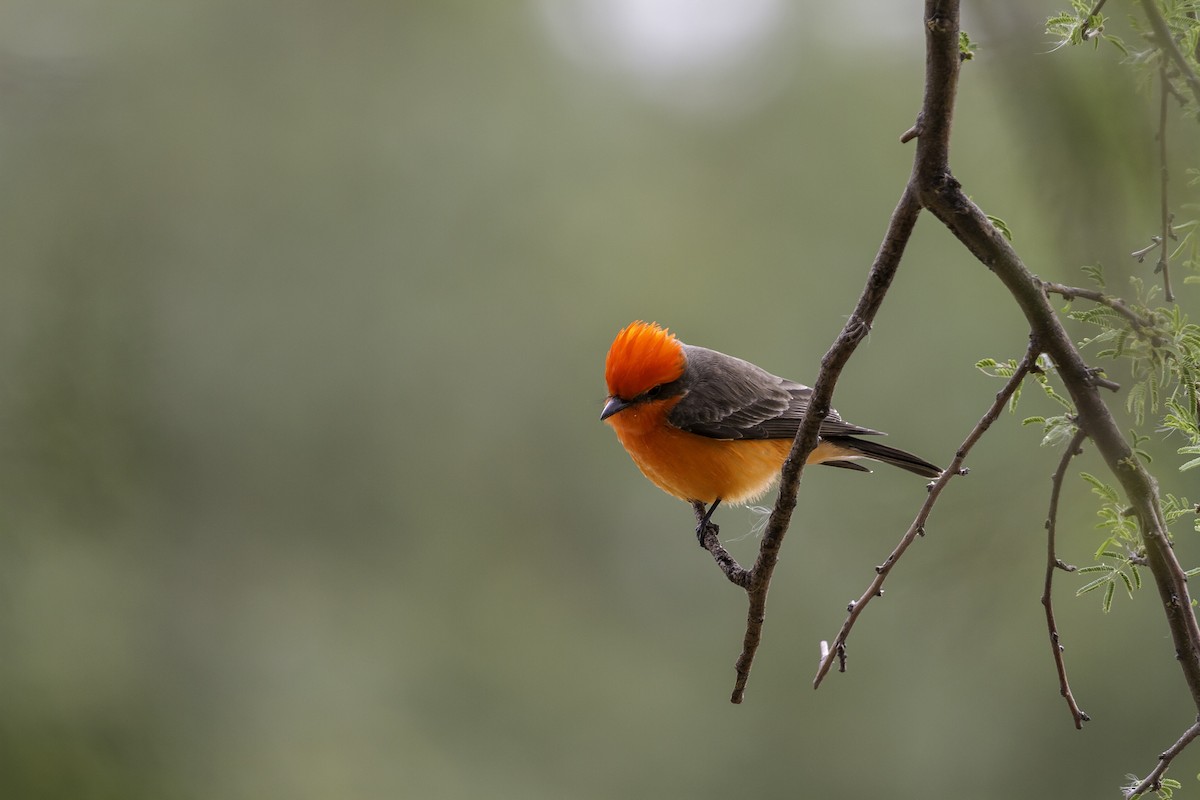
column 654, row 393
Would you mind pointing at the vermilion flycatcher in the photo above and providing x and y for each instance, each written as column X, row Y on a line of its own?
column 710, row 428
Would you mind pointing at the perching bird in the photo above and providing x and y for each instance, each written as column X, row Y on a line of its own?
column 710, row 428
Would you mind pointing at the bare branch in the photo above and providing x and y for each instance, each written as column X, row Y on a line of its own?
column 887, row 261
column 1053, row 563
column 917, row 528
column 1164, row 173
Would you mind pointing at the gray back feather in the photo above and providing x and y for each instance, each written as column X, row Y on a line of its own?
column 728, row 398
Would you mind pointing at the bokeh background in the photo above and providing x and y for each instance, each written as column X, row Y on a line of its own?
column 302, row 330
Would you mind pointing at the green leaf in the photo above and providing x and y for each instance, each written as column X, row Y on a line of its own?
column 1095, row 272
column 1116, row 42
column 1101, row 488
column 966, row 48
column 1000, row 225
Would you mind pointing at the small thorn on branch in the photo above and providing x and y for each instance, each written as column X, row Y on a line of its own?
column 1140, row 255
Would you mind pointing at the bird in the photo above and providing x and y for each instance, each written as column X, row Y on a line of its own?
column 709, row 428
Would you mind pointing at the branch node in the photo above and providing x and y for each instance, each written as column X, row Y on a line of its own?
column 1095, row 377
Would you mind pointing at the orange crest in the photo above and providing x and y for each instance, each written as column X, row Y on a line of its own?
column 642, row 356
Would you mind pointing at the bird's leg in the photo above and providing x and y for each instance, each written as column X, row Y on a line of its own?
column 703, row 518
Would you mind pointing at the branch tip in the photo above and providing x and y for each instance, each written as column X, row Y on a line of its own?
column 1053, row 562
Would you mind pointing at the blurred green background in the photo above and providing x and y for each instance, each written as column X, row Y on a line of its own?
column 302, row 330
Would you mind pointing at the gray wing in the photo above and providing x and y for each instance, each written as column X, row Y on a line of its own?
column 728, row 398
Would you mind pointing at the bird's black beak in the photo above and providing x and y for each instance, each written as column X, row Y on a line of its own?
column 612, row 405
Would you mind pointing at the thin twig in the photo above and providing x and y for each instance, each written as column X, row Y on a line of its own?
column 710, row 541
column 1153, row 781
column 1142, row 326
column 1053, row 563
column 917, row 528
column 1164, row 173
column 1138, row 322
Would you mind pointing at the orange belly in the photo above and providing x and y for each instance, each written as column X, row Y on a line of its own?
column 693, row 467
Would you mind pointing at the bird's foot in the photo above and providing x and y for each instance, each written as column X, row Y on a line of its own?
column 703, row 520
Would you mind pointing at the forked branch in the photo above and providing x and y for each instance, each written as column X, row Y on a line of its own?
column 943, row 196
column 932, row 186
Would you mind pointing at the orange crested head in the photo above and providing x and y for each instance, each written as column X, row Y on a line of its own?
column 643, row 355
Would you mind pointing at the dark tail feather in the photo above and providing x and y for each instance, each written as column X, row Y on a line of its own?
column 888, row 455
column 846, row 465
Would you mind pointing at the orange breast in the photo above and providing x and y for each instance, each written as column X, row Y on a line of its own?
column 693, row 467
